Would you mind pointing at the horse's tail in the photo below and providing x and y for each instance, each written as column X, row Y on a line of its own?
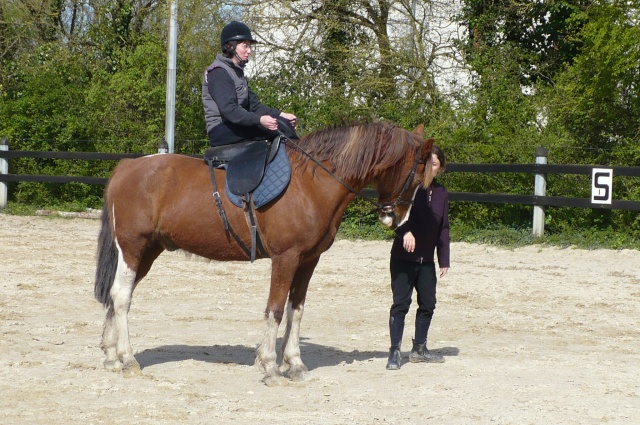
column 107, row 259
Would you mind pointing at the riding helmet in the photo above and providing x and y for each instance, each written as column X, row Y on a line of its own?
column 236, row 31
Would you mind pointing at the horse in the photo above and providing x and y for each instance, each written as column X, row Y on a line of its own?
column 164, row 202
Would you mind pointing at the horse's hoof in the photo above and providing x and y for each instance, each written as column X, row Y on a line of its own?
column 113, row 365
column 275, row 381
column 131, row 369
column 298, row 373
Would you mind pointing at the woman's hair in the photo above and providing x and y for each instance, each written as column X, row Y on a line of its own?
column 443, row 161
column 229, row 48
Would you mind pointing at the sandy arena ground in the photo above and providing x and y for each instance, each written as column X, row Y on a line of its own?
column 535, row 335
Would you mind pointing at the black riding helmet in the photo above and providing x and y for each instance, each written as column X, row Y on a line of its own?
column 236, row 31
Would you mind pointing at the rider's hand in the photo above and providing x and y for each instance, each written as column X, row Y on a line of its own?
column 268, row 122
column 290, row 117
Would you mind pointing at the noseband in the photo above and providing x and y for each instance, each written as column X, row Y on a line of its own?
column 384, row 208
column 388, row 207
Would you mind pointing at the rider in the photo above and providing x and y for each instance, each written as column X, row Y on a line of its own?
column 232, row 111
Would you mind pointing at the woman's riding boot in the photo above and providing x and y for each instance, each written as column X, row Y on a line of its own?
column 395, row 358
column 419, row 353
column 396, row 329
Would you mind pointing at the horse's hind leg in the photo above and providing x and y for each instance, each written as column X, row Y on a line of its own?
column 115, row 336
column 109, row 342
column 291, row 359
column 116, row 344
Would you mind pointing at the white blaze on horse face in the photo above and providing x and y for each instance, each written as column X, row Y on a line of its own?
column 387, row 220
column 406, row 216
column 390, row 220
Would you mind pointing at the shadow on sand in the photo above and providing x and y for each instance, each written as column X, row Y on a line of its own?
column 313, row 355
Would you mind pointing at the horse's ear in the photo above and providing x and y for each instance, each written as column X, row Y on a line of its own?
column 419, row 130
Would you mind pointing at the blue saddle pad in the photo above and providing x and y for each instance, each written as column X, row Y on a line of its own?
column 276, row 178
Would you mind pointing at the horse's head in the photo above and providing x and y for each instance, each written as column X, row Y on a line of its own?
column 397, row 185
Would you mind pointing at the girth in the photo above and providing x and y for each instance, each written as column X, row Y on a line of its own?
column 245, row 163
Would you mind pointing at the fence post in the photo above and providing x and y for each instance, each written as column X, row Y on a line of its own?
column 4, row 169
column 163, row 146
column 540, row 190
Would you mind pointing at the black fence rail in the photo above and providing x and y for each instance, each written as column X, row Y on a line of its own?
column 7, row 154
column 541, row 169
column 538, row 169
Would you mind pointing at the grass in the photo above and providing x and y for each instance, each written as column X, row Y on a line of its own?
column 508, row 237
column 15, row 208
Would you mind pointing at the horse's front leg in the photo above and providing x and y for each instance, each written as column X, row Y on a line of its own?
column 283, row 268
column 291, row 359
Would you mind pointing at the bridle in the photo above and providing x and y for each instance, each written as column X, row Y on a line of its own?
column 387, row 208
column 384, row 208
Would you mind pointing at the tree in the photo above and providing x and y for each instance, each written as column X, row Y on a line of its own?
column 544, row 32
column 361, row 59
column 599, row 93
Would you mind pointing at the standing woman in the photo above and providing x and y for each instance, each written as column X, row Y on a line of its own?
column 413, row 266
column 232, row 112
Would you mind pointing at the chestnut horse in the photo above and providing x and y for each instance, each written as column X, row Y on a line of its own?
column 164, row 202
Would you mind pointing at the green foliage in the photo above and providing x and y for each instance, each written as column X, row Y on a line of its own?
column 125, row 102
column 546, row 34
column 492, row 234
column 18, row 208
column 559, row 74
column 599, row 93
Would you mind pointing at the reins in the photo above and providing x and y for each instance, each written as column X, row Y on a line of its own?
column 386, row 207
column 320, row 164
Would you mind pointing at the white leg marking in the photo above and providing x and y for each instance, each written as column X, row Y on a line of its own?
column 291, row 359
column 121, row 294
column 266, row 358
column 109, row 342
column 291, row 349
column 115, row 338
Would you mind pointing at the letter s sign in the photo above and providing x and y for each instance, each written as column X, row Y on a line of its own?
column 601, row 186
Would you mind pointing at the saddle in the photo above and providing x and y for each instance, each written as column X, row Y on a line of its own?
column 245, row 163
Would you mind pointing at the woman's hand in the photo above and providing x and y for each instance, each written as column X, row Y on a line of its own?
column 444, row 271
column 290, row 117
column 409, row 242
column 268, row 122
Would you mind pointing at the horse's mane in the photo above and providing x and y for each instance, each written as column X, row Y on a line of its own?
column 356, row 150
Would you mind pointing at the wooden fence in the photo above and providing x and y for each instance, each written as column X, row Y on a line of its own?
column 538, row 199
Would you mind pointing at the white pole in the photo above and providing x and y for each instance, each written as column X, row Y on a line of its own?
column 170, row 118
column 4, row 169
column 540, row 190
